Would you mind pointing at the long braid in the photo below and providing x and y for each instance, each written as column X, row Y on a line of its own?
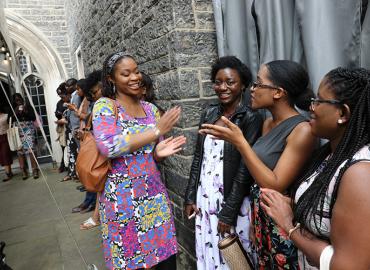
column 351, row 86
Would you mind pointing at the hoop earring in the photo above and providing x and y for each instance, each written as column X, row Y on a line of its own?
column 114, row 88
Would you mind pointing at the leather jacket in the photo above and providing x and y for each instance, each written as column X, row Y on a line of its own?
column 236, row 178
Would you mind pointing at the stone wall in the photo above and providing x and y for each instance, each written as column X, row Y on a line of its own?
column 175, row 42
column 49, row 17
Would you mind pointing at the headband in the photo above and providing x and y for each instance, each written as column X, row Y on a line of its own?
column 113, row 60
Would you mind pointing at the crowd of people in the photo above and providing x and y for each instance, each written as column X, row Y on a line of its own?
column 295, row 201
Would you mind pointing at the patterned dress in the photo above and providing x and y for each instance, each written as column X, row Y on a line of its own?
column 137, row 223
column 27, row 133
column 210, row 196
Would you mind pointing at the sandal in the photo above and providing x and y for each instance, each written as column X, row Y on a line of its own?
column 66, row 178
column 8, row 177
column 89, row 224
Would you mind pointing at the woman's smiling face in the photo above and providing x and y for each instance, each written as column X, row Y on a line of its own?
column 127, row 77
column 228, row 86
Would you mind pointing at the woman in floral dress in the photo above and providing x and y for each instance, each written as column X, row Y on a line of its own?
column 137, row 223
column 27, row 133
column 219, row 183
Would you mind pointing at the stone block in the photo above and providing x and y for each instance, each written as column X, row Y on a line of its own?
column 148, row 4
column 39, row 11
column 205, row 20
column 203, row 5
column 178, row 84
column 183, row 14
column 193, row 48
column 189, row 83
column 159, row 65
column 178, row 163
column 174, row 181
column 207, row 89
column 191, row 111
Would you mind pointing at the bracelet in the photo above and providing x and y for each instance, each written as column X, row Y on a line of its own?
column 157, row 132
column 291, row 231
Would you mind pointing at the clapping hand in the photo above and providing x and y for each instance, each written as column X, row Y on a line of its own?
column 168, row 120
column 169, row 146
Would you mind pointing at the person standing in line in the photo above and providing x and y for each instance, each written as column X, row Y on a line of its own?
column 27, row 133
column 329, row 215
column 137, row 222
column 278, row 156
column 94, row 86
column 219, row 183
column 6, row 159
column 61, row 130
column 73, row 125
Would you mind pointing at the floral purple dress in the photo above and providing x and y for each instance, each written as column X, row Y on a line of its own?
column 137, row 223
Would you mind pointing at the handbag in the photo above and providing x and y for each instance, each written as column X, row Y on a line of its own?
column 91, row 166
column 234, row 254
column 14, row 139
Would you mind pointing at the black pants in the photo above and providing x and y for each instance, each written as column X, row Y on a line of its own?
column 169, row 264
column 62, row 166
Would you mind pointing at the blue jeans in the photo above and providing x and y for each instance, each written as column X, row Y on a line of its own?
column 90, row 199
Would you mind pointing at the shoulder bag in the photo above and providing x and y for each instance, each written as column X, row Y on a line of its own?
column 91, row 166
column 14, row 139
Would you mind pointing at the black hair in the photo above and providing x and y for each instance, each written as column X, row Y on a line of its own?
column 70, row 82
column 352, row 87
column 92, row 80
column 17, row 95
column 147, row 82
column 61, row 90
column 294, row 79
column 233, row 63
column 107, row 71
column 81, row 83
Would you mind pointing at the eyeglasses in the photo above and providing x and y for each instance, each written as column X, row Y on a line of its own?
column 261, row 85
column 317, row 101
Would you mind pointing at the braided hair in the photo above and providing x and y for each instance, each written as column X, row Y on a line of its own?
column 352, row 87
column 109, row 66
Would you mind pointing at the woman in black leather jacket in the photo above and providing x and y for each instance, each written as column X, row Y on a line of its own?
column 219, row 182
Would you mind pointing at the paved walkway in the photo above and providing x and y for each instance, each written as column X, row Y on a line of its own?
column 34, row 230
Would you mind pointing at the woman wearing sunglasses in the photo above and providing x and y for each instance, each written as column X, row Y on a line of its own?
column 331, row 199
column 278, row 157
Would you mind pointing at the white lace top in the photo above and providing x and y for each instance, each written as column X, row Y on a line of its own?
column 325, row 225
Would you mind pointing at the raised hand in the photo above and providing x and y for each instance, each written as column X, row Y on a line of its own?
column 169, row 146
column 168, row 120
column 230, row 132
